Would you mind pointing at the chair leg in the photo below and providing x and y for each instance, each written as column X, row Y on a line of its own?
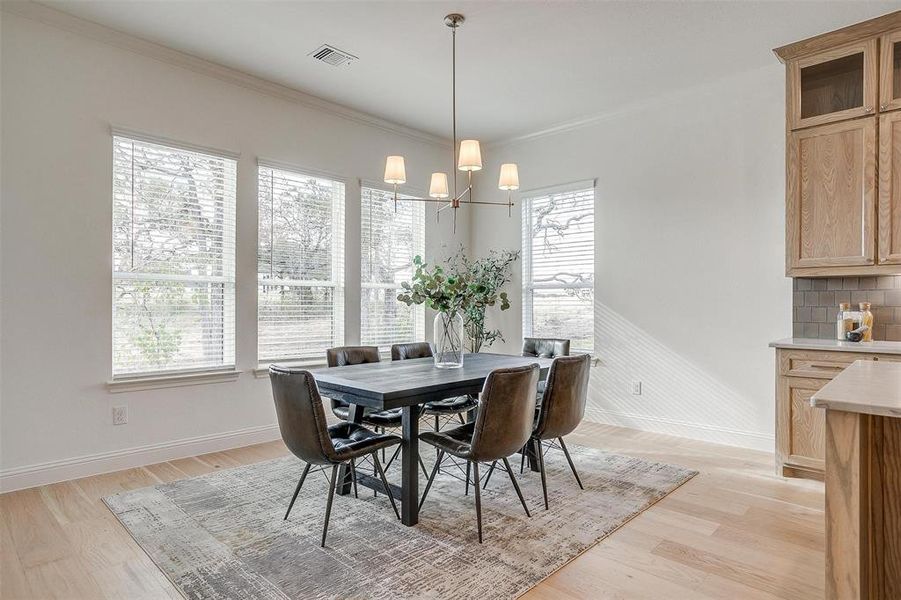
column 522, row 463
column 428, row 485
column 475, row 472
column 570, row 461
column 353, row 476
column 466, row 491
column 388, row 493
column 425, row 471
column 393, row 456
column 540, row 452
column 303, row 476
column 462, row 420
column 328, row 506
column 487, row 477
column 516, row 487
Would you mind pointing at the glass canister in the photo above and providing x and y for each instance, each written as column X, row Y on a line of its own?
column 866, row 319
column 843, row 322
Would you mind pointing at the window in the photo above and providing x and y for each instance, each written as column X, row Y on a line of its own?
column 390, row 240
column 558, row 264
column 173, row 259
column 300, row 265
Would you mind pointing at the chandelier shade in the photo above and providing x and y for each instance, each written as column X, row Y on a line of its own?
column 438, row 186
column 509, row 179
column 395, row 172
column 470, row 156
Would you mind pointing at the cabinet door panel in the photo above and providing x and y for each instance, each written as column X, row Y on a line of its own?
column 800, row 428
column 831, row 196
column 890, row 189
column 890, row 72
column 834, row 85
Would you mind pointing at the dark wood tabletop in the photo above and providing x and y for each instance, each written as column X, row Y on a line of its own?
column 392, row 384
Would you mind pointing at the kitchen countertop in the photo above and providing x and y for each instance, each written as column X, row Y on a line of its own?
column 866, row 387
column 877, row 347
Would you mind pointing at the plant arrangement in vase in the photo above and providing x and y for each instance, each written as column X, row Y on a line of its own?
column 461, row 295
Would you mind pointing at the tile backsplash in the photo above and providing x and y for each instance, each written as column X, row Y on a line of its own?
column 815, row 304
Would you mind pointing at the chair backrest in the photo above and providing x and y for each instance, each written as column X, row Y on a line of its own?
column 545, row 347
column 563, row 403
column 413, row 350
column 301, row 418
column 506, row 413
column 351, row 355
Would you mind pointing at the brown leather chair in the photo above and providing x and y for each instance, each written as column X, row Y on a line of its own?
column 301, row 420
column 454, row 406
column 502, row 427
column 544, row 348
column 561, row 410
column 357, row 355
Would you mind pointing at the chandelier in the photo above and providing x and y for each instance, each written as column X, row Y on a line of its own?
column 468, row 158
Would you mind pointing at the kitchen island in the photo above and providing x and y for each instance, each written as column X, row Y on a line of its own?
column 863, row 481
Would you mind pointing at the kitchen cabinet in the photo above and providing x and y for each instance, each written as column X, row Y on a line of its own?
column 842, row 91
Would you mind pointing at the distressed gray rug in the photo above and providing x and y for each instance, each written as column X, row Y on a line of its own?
column 221, row 536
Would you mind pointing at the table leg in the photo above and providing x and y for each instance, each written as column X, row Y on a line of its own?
column 345, row 478
column 409, row 514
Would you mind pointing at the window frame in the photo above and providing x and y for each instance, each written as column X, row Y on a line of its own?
column 419, row 324
column 527, row 199
column 337, row 282
column 139, row 380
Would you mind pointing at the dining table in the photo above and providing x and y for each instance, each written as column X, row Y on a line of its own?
column 408, row 384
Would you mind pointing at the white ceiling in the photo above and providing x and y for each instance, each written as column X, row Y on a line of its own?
column 521, row 66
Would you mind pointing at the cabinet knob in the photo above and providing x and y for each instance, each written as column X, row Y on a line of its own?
column 883, row 107
column 868, row 109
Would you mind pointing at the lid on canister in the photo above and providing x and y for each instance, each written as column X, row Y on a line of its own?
column 864, row 306
column 844, row 306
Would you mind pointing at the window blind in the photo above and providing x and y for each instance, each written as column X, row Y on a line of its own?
column 389, row 241
column 558, row 265
column 173, row 259
column 300, row 265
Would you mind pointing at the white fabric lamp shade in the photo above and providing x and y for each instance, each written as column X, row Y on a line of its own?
column 470, row 156
column 509, row 179
column 394, row 170
column 438, row 186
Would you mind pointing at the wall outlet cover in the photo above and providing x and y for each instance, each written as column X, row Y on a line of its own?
column 636, row 388
column 120, row 415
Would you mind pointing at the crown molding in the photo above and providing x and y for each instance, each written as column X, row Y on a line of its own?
column 101, row 33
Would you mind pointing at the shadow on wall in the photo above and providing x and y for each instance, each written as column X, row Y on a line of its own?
column 677, row 396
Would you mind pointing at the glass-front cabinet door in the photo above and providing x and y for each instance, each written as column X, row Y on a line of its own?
column 834, row 85
column 890, row 72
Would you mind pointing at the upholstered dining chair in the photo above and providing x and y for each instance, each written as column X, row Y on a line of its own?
column 301, row 420
column 502, row 426
column 560, row 413
column 381, row 420
column 455, row 406
column 544, row 348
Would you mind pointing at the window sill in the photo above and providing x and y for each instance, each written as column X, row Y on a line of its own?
column 135, row 384
column 262, row 371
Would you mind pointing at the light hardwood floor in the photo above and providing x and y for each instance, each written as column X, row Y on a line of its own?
column 734, row 531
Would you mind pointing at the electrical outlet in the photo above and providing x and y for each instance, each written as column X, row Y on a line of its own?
column 120, row 415
column 636, row 388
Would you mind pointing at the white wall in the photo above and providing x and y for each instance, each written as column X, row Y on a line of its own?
column 689, row 254
column 61, row 92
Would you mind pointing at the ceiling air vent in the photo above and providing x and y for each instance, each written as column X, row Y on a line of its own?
column 332, row 56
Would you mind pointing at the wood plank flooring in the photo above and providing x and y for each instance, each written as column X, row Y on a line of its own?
column 734, row 531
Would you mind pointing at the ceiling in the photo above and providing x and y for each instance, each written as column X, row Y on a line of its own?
column 521, row 66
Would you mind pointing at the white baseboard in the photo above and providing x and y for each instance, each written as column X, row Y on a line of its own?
column 105, row 462
column 695, row 431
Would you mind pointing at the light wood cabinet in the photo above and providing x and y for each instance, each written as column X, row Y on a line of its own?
column 800, row 428
column 834, row 85
column 889, row 212
column 831, row 198
column 841, row 89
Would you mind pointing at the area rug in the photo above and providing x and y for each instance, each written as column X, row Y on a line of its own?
column 221, row 535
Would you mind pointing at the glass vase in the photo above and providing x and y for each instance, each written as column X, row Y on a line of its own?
column 449, row 340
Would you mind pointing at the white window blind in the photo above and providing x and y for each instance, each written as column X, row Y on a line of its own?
column 390, row 240
column 300, row 265
column 558, row 264
column 173, row 259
